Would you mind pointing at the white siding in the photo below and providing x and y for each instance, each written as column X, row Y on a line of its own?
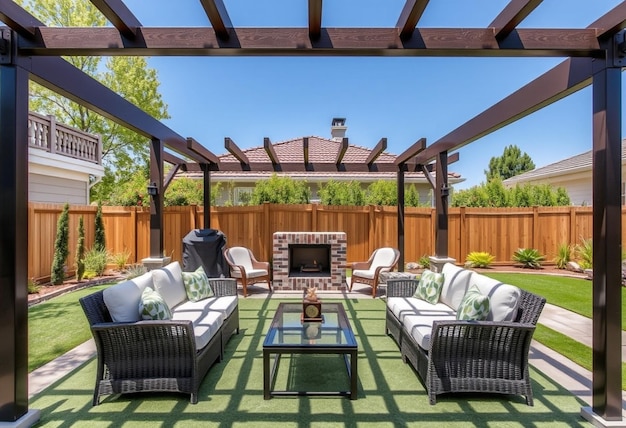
column 43, row 188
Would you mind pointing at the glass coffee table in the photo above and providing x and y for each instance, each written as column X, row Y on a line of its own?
column 289, row 335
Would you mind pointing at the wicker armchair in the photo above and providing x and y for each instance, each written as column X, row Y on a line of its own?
column 470, row 356
column 246, row 268
column 381, row 260
column 146, row 356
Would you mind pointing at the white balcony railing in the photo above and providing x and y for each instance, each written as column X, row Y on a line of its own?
column 46, row 134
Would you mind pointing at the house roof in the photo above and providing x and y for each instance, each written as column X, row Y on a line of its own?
column 320, row 151
column 574, row 164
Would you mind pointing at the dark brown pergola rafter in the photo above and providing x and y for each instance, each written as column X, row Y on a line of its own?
column 234, row 150
column 514, row 13
column 271, row 153
column 376, row 151
column 450, row 42
column 119, row 15
column 217, row 14
column 315, row 19
column 343, row 148
column 410, row 16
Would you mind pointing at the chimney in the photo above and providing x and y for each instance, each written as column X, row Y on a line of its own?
column 338, row 128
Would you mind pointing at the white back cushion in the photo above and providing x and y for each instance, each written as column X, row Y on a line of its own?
column 455, row 284
column 241, row 256
column 503, row 298
column 383, row 257
column 168, row 281
column 122, row 300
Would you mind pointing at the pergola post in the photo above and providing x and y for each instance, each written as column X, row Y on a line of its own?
column 155, row 190
column 607, row 234
column 441, row 206
column 14, row 244
column 400, row 208
column 206, row 175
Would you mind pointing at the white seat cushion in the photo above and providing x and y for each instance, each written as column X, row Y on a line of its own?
column 420, row 327
column 383, row 257
column 403, row 306
column 250, row 273
column 205, row 323
column 369, row 274
column 122, row 300
column 168, row 281
column 225, row 305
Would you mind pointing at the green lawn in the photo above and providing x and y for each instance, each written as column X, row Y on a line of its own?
column 56, row 326
column 569, row 293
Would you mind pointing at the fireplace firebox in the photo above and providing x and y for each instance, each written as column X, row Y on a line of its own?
column 309, row 260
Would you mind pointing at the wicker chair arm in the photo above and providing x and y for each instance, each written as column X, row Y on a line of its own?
column 401, row 287
column 484, row 342
column 130, row 350
column 223, row 286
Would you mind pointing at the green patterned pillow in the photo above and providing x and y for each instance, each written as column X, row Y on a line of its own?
column 152, row 306
column 474, row 306
column 429, row 286
column 197, row 285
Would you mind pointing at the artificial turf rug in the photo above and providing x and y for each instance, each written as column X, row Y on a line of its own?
column 389, row 391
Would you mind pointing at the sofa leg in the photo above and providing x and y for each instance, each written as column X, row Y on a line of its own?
column 194, row 398
column 529, row 400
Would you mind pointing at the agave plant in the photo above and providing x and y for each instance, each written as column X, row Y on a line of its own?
column 479, row 259
column 585, row 253
column 563, row 256
column 529, row 257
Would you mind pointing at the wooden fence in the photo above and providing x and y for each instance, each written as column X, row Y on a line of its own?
column 499, row 231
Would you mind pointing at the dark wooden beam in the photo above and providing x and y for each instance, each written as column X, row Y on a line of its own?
column 200, row 150
column 343, row 148
column 376, row 151
column 400, row 212
column 441, row 206
column 236, row 151
column 514, row 13
column 18, row 19
column 119, row 15
column 62, row 77
column 449, row 42
column 269, row 149
column 174, row 160
column 427, row 173
column 411, row 152
column 206, row 178
column 315, row 19
column 299, row 167
column 171, row 174
column 218, row 15
column 564, row 79
column 410, row 16
column 611, row 22
column 454, row 157
column 305, row 150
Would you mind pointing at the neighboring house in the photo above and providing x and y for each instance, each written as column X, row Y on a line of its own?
column 62, row 162
column 573, row 174
column 320, row 150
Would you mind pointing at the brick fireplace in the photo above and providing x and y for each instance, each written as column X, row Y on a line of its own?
column 299, row 260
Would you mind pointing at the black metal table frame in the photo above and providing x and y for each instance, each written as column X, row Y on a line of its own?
column 348, row 351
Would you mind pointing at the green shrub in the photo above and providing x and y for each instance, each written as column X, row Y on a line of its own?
column 33, row 286
column 61, row 250
column 135, row 270
column 120, row 259
column 95, row 262
column 424, row 261
column 584, row 253
column 479, row 259
column 341, row 193
column 99, row 241
column 528, row 257
column 80, row 250
column 280, row 190
column 382, row 192
column 563, row 256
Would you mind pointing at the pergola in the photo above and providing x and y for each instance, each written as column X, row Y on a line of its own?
column 30, row 50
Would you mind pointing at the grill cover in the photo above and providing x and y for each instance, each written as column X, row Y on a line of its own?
column 203, row 247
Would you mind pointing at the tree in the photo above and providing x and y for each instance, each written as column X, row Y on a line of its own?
column 280, row 190
column 511, row 163
column 61, row 249
column 99, row 242
column 80, row 250
column 130, row 77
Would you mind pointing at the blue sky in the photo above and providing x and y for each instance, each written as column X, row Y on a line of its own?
column 402, row 99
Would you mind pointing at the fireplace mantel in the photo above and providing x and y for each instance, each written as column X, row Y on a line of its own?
column 338, row 259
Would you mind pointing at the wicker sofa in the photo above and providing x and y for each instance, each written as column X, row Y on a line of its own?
column 136, row 355
column 451, row 355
